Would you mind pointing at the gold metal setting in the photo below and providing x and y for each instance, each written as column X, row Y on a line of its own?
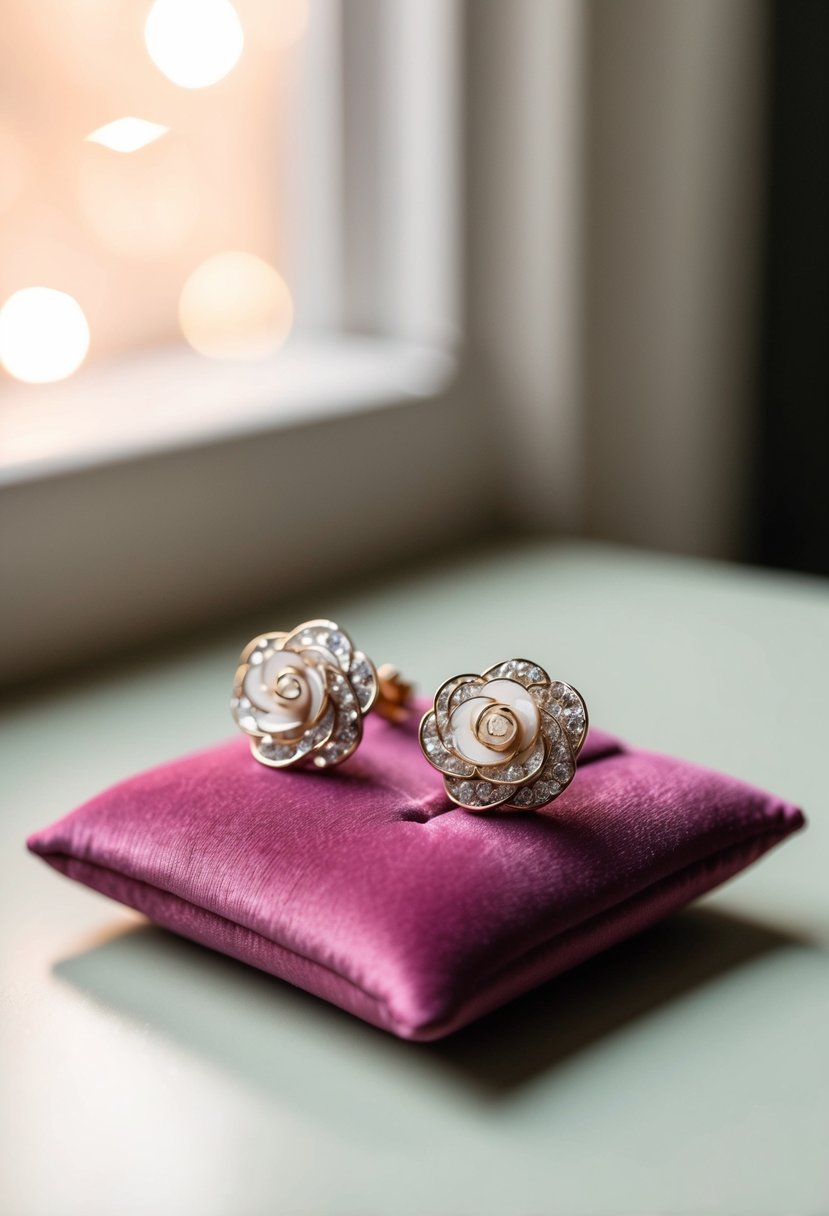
column 302, row 696
column 507, row 739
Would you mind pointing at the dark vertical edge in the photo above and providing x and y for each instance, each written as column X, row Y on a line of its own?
column 789, row 516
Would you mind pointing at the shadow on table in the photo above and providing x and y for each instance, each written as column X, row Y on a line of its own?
column 262, row 1030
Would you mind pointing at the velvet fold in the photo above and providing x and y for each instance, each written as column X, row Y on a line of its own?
column 366, row 886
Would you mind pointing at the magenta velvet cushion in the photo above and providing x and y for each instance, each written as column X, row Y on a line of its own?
column 365, row 886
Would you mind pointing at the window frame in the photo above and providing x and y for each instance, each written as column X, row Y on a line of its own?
column 156, row 530
column 379, row 316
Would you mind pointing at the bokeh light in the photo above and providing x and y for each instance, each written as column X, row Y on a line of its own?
column 194, row 43
column 127, row 134
column 235, row 306
column 44, row 335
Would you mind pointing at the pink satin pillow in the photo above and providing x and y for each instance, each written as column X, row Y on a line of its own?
column 365, row 886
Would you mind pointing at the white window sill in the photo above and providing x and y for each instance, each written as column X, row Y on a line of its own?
column 193, row 489
column 173, row 399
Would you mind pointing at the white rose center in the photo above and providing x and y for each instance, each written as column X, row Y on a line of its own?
column 288, row 686
column 497, row 727
column 287, row 692
column 500, row 721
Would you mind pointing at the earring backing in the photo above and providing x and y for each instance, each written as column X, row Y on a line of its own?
column 506, row 739
column 302, row 696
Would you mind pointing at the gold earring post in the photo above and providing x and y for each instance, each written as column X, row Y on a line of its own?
column 395, row 692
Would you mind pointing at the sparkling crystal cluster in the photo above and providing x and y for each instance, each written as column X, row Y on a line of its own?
column 302, row 696
column 508, row 738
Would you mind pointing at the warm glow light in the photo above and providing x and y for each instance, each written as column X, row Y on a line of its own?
column 194, row 42
column 12, row 174
column 127, row 134
column 290, row 20
column 276, row 25
column 142, row 207
column 43, row 335
column 235, row 306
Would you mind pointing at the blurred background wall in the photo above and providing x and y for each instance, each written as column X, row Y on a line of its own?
column 676, row 111
column 560, row 264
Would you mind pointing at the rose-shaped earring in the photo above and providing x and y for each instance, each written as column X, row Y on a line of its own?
column 508, row 738
column 302, row 696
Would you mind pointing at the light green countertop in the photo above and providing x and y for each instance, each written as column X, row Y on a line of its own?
column 686, row 1071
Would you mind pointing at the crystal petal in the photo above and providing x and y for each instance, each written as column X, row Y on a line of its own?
column 438, row 755
column 477, row 795
column 555, row 774
column 279, row 755
column 565, row 704
column 325, row 635
column 443, row 696
column 363, row 677
column 348, row 724
column 521, row 670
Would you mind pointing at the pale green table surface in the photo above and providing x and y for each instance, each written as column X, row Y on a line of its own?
column 686, row 1071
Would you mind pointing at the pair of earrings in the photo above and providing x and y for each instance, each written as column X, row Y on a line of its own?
column 507, row 739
